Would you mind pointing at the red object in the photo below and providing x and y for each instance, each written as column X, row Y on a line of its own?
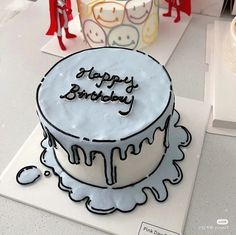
column 69, row 35
column 184, row 5
column 62, row 46
column 180, row 6
column 53, row 15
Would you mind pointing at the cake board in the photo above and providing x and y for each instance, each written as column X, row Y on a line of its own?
column 168, row 217
column 219, row 80
column 168, row 37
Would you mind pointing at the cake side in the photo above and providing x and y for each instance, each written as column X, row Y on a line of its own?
column 134, row 168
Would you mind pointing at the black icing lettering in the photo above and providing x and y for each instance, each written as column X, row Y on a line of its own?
column 123, row 99
column 83, row 71
column 95, row 96
column 106, row 77
column 130, row 88
column 131, row 102
column 115, row 98
column 99, row 95
column 114, row 79
column 106, row 98
column 111, row 80
column 71, row 94
column 75, row 92
column 94, row 75
column 81, row 94
column 87, row 95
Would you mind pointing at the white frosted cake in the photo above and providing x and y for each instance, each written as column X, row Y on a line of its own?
column 119, row 23
column 106, row 114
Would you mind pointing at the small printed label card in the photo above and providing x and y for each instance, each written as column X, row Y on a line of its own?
column 150, row 229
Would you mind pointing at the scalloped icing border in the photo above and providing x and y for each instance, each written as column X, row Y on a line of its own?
column 106, row 200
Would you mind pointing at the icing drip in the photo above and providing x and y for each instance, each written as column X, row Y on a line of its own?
column 104, row 200
column 28, row 174
column 109, row 168
column 76, row 157
column 106, row 149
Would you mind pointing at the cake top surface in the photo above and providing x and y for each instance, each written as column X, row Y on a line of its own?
column 104, row 93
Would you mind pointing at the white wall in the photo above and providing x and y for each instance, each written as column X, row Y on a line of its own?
column 205, row 7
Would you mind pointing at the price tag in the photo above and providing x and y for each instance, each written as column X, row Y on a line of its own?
column 150, row 229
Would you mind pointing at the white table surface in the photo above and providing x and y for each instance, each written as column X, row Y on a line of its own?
column 21, row 67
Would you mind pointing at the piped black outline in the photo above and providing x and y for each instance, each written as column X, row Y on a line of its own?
column 47, row 173
column 108, row 141
column 156, row 195
column 76, row 91
column 22, row 170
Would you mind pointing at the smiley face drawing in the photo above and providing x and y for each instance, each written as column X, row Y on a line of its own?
column 94, row 34
column 138, row 10
column 88, row 7
column 109, row 14
column 150, row 29
column 126, row 36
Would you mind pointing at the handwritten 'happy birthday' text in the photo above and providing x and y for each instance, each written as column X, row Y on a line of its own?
column 77, row 92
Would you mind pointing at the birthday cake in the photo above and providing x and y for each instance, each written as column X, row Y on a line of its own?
column 109, row 124
column 119, row 23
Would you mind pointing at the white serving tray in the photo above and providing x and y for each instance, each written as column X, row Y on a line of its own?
column 168, row 217
column 220, row 83
column 169, row 35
